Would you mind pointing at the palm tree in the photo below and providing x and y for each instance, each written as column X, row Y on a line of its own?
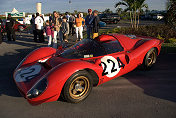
column 133, row 6
column 171, row 13
column 119, row 10
column 129, row 7
column 107, row 11
column 139, row 6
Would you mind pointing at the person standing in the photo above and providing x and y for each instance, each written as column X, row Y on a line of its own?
column 34, row 27
column 79, row 27
column 95, row 21
column 0, row 31
column 49, row 33
column 57, row 24
column 87, row 21
column 10, row 23
column 50, row 18
column 39, row 27
column 64, row 30
column 67, row 16
column 71, row 24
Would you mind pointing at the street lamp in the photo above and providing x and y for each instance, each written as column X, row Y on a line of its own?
column 70, row 5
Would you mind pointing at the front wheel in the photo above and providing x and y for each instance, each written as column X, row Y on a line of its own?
column 149, row 59
column 77, row 87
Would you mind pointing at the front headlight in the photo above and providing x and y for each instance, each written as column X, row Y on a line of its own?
column 37, row 89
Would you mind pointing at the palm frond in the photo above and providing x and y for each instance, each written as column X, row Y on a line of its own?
column 120, row 3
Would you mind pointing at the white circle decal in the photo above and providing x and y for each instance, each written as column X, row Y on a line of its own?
column 110, row 66
column 26, row 74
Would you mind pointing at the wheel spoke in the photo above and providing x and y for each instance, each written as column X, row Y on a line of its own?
column 74, row 91
column 79, row 87
column 81, row 83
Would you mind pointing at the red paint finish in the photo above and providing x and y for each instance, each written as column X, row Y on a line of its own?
column 57, row 70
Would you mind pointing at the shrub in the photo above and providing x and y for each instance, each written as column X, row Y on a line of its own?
column 158, row 31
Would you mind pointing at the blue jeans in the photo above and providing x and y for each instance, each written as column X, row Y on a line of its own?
column 61, row 38
column 89, row 32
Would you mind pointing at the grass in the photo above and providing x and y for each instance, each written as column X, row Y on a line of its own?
column 168, row 48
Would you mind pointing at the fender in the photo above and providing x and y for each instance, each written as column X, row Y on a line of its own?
column 60, row 74
column 139, row 53
column 40, row 53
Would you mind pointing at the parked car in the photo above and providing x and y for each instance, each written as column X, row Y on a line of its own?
column 158, row 17
column 110, row 18
column 46, row 73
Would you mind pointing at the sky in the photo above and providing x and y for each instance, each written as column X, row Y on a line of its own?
column 49, row 6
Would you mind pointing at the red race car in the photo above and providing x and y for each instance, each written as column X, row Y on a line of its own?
column 17, row 27
column 46, row 73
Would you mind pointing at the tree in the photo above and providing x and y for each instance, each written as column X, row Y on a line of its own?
column 134, row 7
column 171, row 13
column 75, row 12
column 139, row 6
column 107, row 11
column 129, row 7
column 119, row 10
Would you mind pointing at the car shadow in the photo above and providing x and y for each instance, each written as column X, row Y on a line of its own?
column 160, row 81
column 9, row 62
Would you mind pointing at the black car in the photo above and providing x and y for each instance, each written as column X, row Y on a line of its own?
column 110, row 18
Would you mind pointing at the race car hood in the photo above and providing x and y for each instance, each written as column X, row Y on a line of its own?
column 26, row 76
column 54, row 61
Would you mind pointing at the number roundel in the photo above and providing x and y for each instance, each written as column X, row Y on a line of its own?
column 110, row 66
column 28, row 73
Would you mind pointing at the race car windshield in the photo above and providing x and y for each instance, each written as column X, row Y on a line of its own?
column 84, row 49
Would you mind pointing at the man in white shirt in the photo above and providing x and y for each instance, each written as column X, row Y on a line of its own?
column 39, row 27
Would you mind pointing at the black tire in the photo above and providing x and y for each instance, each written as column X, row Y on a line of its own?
column 77, row 87
column 149, row 59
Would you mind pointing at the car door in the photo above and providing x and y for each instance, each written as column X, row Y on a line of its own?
column 115, row 62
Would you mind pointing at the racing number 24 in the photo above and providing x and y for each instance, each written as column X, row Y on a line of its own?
column 120, row 64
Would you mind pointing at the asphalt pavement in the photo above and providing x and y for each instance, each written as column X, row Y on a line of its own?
column 138, row 94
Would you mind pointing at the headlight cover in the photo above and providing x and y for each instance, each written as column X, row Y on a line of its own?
column 37, row 89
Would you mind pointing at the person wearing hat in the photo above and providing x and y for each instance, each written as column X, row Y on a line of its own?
column 89, row 26
column 64, row 30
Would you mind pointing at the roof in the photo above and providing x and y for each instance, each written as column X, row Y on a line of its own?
column 14, row 10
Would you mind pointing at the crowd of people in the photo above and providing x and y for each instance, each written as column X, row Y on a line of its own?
column 58, row 27
column 61, row 26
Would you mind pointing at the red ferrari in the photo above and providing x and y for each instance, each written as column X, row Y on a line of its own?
column 17, row 27
column 46, row 73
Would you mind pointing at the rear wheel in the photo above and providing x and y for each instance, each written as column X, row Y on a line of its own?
column 78, row 87
column 149, row 59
